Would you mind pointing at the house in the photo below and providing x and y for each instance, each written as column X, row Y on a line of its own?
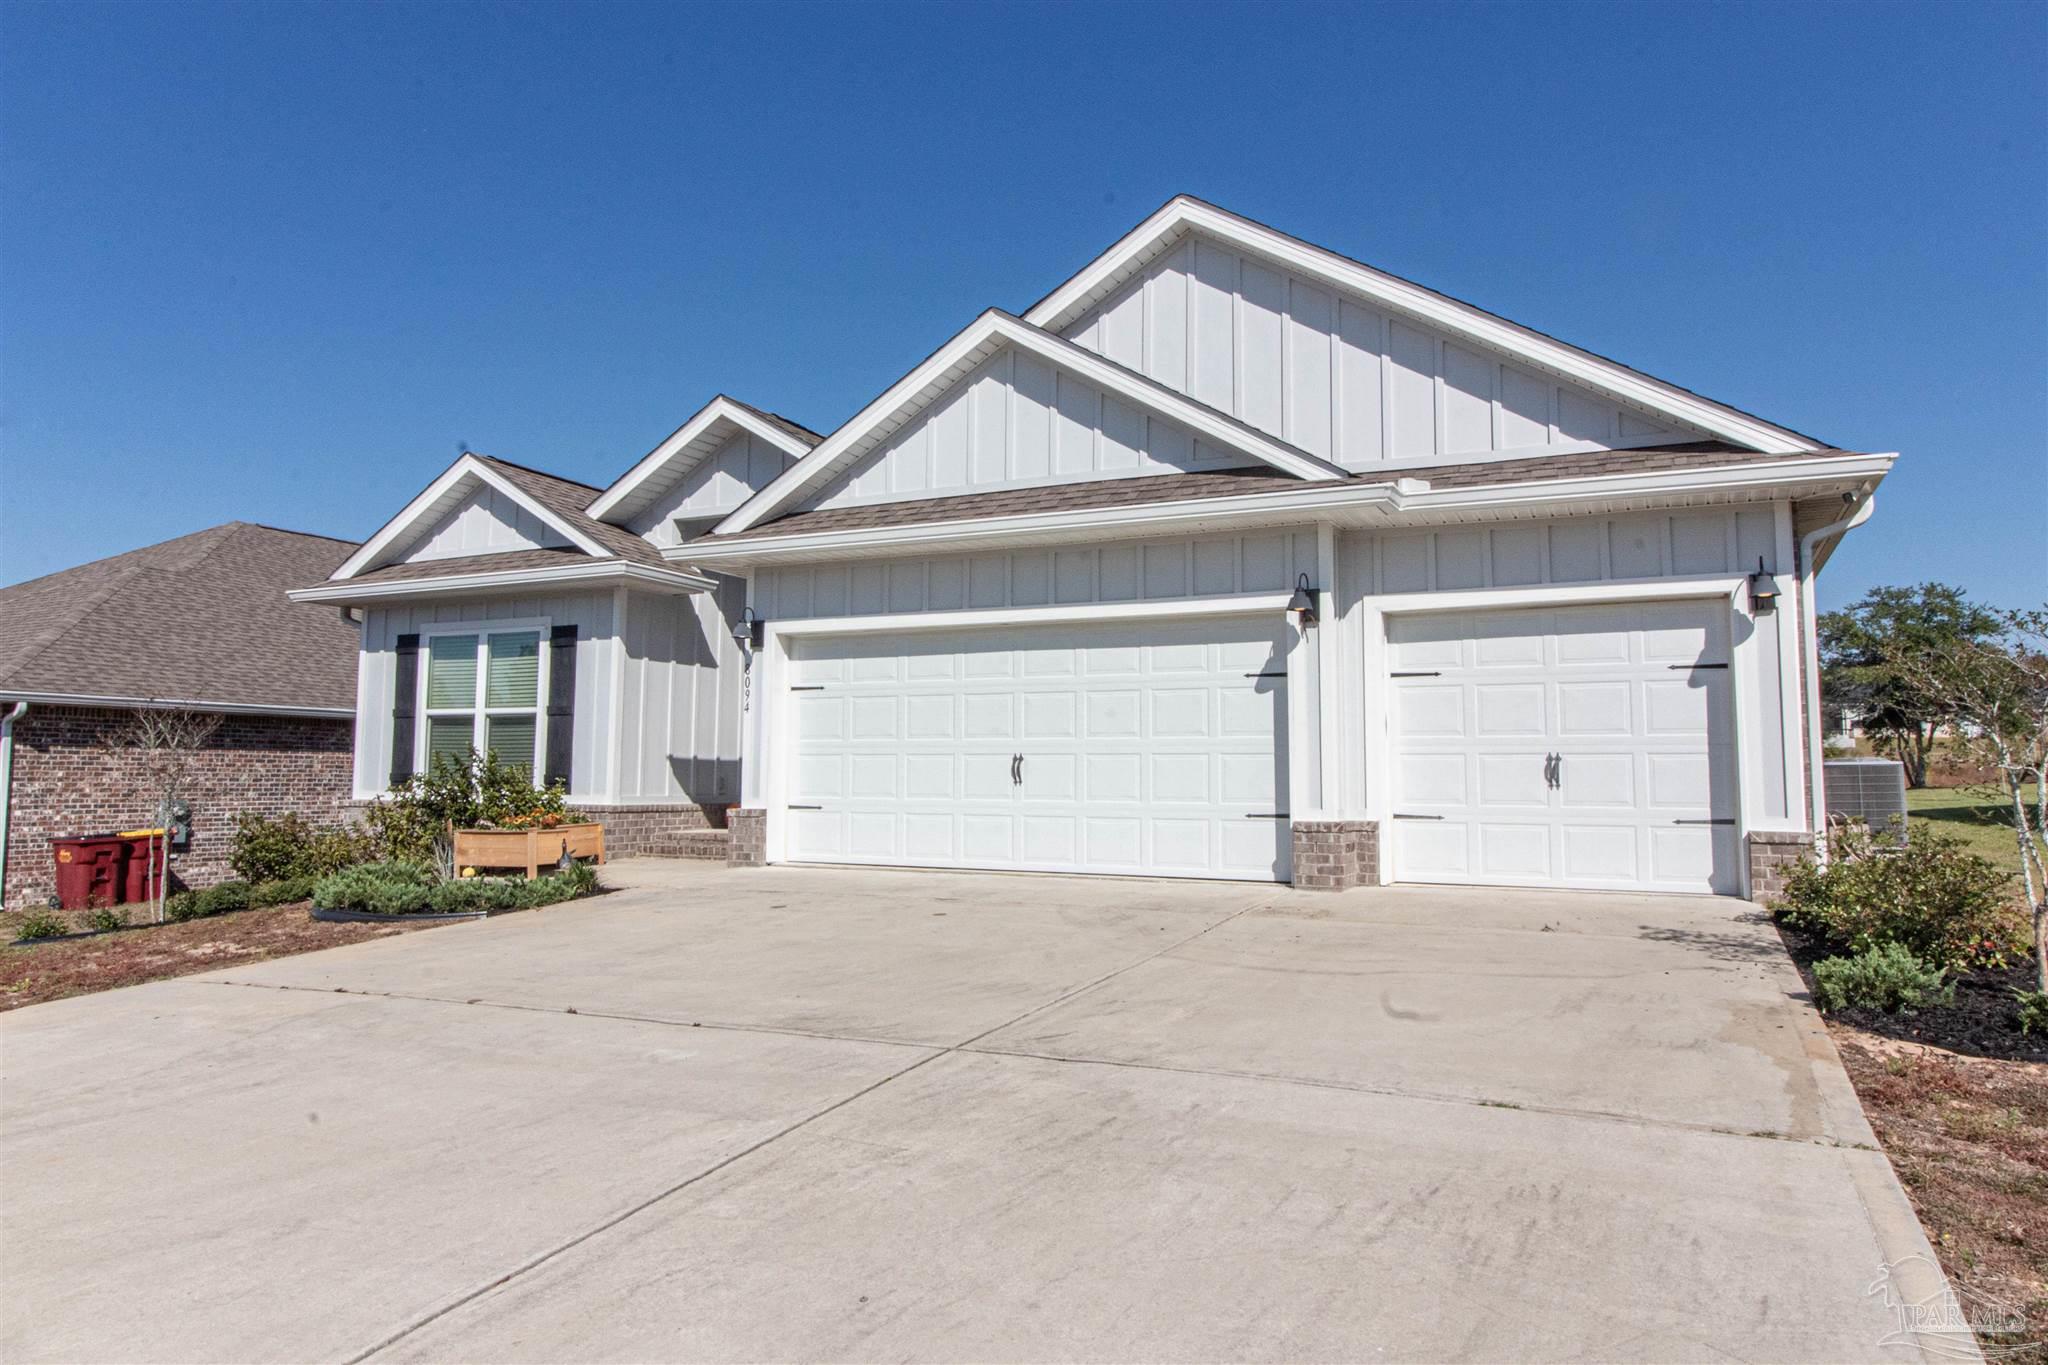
column 199, row 625
column 1230, row 557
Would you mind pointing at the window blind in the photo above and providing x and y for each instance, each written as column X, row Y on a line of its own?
column 514, row 671
column 451, row 672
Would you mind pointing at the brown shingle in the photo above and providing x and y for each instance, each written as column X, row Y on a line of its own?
column 1156, row 488
column 200, row 618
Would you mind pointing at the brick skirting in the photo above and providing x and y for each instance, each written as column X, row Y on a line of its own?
column 1336, row 855
column 1772, row 854
column 641, row 830
column 749, row 846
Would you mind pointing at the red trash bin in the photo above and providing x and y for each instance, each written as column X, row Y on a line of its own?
column 145, row 870
column 91, row 870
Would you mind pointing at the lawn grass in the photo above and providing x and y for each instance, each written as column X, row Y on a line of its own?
column 1979, row 814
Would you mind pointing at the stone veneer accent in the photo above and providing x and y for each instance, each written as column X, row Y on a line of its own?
column 1772, row 854
column 72, row 775
column 749, row 846
column 639, row 831
column 1336, row 855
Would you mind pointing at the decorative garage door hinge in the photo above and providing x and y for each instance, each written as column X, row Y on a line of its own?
column 811, row 687
column 794, row 806
column 1418, row 673
column 1719, row 820
column 1279, row 815
column 1265, row 675
column 1687, row 668
column 1403, row 815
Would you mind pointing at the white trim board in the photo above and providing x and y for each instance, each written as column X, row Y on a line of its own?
column 974, row 343
column 229, row 708
column 1183, row 214
column 648, row 576
column 1080, row 614
column 469, row 466
column 701, row 423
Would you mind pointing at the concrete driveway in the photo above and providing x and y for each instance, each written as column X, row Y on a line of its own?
column 828, row 1114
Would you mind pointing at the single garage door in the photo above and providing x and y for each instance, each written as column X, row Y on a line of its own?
column 1156, row 749
column 1585, row 747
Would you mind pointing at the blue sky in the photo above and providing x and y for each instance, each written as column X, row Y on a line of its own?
column 280, row 262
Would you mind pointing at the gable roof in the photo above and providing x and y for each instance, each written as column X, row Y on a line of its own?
column 1185, row 214
column 983, row 337
column 199, row 619
column 689, row 444
column 558, row 503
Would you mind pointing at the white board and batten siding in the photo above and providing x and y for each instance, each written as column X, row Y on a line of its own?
column 1019, row 422
column 1150, row 570
column 483, row 522
column 656, row 720
column 1341, row 379
column 711, row 488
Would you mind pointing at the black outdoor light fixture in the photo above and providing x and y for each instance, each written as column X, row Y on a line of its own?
column 1303, row 603
column 750, row 629
column 1763, row 590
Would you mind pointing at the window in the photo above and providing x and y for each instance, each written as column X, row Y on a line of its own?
column 483, row 693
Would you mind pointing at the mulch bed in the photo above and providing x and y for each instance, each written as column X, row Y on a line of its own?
column 1982, row 1022
column 32, row 973
column 1968, row 1137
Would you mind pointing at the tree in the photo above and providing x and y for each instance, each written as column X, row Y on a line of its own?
column 165, row 743
column 1870, row 652
column 1997, row 690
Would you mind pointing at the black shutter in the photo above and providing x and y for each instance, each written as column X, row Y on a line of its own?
column 403, row 709
column 561, row 703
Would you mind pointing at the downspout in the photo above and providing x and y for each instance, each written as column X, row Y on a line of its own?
column 7, row 719
column 1809, row 615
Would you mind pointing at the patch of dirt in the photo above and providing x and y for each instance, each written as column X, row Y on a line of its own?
column 33, row 973
column 1983, row 1021
column 1968, row 1137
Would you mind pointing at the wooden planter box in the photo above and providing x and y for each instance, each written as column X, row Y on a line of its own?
column 532, row 849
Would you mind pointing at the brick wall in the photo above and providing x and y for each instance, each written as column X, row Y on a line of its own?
column 1336, row 855
column 749, row 846
column 71, row 776
column 1771, row 856
column 637, row 831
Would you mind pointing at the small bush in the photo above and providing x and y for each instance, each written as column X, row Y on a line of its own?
column 2033, row 1010
column 1887, row 977
column 291, row 846
column 214, row 900
column 410, row 889
column 40, row 924
column 1927, row 893
column 107, row 917
column 464, row 792
column 283, row 891
column 390, row 888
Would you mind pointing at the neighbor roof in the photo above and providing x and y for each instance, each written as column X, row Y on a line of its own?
column 203, row 618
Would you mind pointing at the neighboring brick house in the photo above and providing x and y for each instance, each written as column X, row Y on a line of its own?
column 201, row 624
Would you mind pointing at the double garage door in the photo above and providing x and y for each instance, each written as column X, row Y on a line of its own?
column 1583, row 747
column 1149, row 749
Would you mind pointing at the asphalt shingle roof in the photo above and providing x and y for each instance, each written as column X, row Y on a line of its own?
column 200, row 618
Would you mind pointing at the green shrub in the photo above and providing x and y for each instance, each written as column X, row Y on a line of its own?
column 283, row 891
column 2033, row 1010
column 388, row 888
column 40, row 924
column 214, row 900
column 410, row 889
column 107, row 917
column 292, row 846
column 1887, row 977
column 1927, row 893
column 461, row 791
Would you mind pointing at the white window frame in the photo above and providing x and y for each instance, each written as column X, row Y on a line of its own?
column 479, row 714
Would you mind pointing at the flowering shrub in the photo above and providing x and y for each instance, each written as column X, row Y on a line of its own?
column 1927, row 893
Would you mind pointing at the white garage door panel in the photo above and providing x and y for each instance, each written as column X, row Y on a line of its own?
column 1643, row 793
column 1146, row 749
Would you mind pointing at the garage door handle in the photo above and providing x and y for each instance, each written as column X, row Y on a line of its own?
column 1017, row 770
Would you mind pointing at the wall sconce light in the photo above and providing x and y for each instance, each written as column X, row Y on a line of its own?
column 1303, row 603
column 1763, row 590
column 750, row 630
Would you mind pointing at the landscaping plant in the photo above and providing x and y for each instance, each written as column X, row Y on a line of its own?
column 40, row 924
column 410, row 889
column 2033, row 1010
column 466, row 792
column 1927, row 893
column 106, row 918
column 1887, row 977
column 292, row 846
